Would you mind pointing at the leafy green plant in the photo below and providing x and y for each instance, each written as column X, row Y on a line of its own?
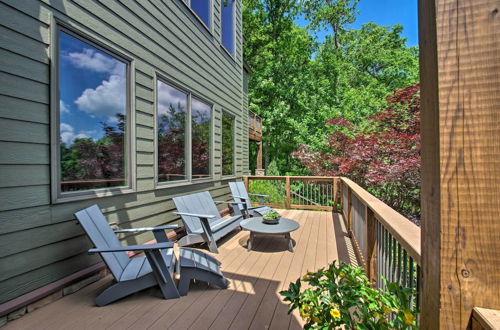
column 272, row 215
column 342, row 295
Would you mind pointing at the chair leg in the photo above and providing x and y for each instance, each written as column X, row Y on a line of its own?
column 189, row 274
column 162, row 275
column 122, row 289
column 212, row 246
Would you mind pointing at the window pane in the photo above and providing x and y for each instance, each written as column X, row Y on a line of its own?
column 171, row 114
column 201, row 114
column 202, row 9
column 92, row 109
column 227, row 144
column 228, row 25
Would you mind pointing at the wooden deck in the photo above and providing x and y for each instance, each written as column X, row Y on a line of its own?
column 251, row 302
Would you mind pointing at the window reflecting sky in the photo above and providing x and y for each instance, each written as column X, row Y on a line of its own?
column 92, row 89
column 228, row 25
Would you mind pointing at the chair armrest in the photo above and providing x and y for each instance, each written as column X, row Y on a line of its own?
column 206, row 216
column 134, row 230
column 146, row 247
column 259, row 195
column 240, row 197
column 228, row 202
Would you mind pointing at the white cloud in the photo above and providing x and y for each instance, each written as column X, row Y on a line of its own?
column 68, row 134
column 106, row 99
column 168, row 95
column 96, row 61
column 66, row 127
column 63, row 108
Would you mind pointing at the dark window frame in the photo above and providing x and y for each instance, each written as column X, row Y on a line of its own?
column 93, row 40
column 188, row 131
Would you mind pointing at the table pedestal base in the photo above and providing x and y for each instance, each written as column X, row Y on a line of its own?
column 286, row 236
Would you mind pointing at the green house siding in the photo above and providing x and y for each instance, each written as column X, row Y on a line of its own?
column 41, row 242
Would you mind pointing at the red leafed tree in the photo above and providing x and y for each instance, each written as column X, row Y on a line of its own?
column 383, row 157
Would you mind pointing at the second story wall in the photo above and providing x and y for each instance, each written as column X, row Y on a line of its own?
column 166, row 39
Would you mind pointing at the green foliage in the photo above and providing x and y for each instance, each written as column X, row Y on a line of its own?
column 297, row 84
column 343, row 296
column 227, row 144
column 274, row 189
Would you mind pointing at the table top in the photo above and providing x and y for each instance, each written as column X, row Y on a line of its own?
column 256, row 225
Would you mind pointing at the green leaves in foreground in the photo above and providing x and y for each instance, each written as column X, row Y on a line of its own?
column 343, row 296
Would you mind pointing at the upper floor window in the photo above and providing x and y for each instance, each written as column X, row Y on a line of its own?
column 202, row 8
column 227, row 144
column 176, row 140
column 228, row 25
column 92, row 116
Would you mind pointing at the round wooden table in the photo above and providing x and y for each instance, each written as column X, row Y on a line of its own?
column 256, row 226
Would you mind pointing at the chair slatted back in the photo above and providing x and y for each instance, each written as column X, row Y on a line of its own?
column 198, row 203
column 238, row 189
column 102, row 236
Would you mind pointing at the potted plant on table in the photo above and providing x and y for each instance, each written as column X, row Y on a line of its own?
column 271, row 218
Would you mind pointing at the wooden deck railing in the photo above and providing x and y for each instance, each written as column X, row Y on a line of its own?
column 386, row 243
column 296, row 192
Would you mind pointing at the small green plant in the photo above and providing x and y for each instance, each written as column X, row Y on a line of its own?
column 343, row 296
column 272, row 215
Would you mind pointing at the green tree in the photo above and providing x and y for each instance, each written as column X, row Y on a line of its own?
column 298, row 83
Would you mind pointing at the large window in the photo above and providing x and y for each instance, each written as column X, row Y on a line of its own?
column 171, row 130
column 181, row 147
column 92, row 116
column 228, row 25
column 227, row 144
column 202, row 8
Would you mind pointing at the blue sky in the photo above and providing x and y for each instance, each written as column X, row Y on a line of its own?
column 386, row 12
column 92, row 89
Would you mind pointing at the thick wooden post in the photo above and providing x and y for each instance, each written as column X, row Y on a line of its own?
column 371, row 245
column 247, row 183
column 460, row 95
column 287, row 190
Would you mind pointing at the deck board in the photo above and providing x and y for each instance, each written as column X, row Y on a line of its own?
column 252, row 300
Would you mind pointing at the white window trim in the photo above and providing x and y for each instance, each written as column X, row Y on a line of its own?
column 57, row 196
column 188, row 140
column 233, row 54
column 234, row 145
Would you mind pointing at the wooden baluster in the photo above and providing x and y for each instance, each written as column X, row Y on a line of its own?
column 287, row 191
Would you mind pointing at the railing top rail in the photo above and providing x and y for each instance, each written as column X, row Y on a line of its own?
column 403, row 230
column 281, row 177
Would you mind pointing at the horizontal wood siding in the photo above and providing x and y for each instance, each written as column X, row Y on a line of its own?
column 41, row 242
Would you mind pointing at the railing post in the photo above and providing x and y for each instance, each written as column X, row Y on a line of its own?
column 247, row 186
column 335, row 183
column 349, row 211
column 287, row 190
column 371, row 245
column 341, row 193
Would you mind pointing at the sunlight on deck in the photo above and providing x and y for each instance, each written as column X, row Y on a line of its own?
column 251, row 301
